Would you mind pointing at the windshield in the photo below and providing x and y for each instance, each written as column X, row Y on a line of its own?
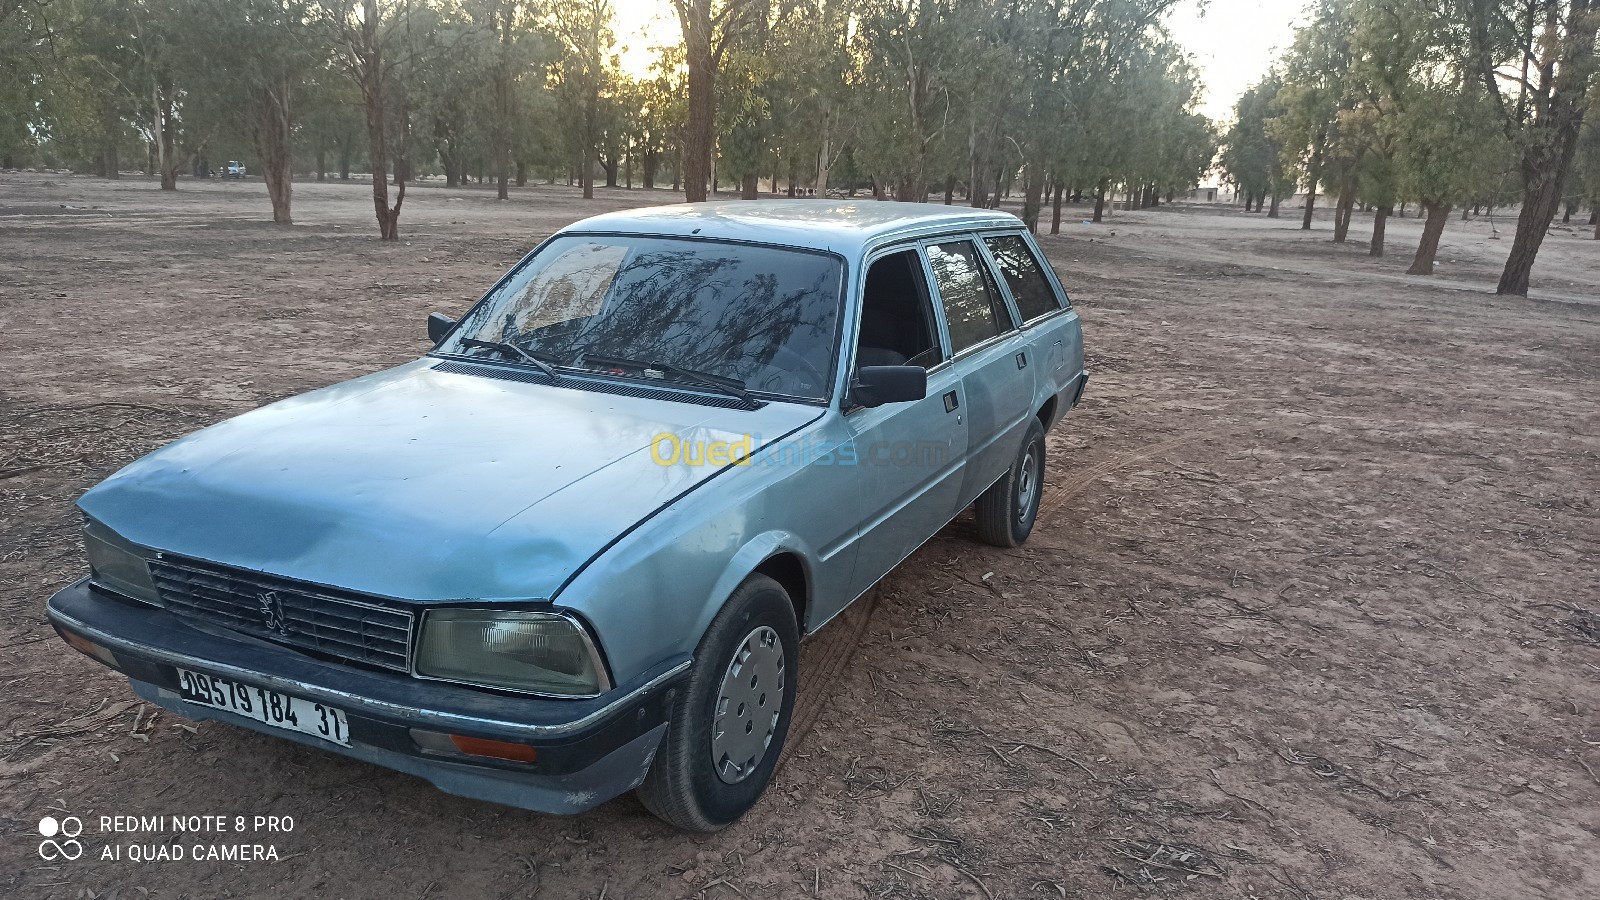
column 765, row 317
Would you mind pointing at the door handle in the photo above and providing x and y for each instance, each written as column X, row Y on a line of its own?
column 1022, row 360
column 951, row 402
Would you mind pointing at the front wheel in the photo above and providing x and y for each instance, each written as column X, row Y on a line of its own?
column 728, row 723
column 1007, row 510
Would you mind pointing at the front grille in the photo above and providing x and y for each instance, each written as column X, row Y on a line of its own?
column 287, row 612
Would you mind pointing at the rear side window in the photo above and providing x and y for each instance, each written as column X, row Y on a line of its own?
column 972, row 306
column 1023, row 275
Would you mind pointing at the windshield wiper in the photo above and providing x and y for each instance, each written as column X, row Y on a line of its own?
column 733, row 387
column 509, row 349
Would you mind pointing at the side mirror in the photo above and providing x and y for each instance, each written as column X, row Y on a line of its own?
column 877, row 385
column 439, row 325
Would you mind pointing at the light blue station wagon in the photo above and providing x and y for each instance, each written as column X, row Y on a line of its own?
column 571, row 551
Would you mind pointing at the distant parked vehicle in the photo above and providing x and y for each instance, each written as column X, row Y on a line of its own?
column 234, row 169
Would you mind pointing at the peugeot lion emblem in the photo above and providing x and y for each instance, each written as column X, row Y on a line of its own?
column 272, row 612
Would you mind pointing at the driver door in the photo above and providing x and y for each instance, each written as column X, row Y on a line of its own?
column 909, row 456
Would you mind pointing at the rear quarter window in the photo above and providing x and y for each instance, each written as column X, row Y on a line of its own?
column 1023, row 274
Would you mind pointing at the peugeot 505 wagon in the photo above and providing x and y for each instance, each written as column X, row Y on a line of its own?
column 572, row 550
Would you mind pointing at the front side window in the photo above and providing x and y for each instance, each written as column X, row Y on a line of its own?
column 1023, row 275
column 764, row 317
column 972, row 306
column 897, row 324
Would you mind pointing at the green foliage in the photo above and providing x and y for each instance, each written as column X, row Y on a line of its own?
column 910, row 95
column 1251, row 156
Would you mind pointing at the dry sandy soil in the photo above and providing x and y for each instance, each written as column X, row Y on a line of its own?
column 1310, row 612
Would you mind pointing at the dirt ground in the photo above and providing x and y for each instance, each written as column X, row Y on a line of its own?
column 1311, row 611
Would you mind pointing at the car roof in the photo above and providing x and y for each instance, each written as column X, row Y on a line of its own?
column 848, row 227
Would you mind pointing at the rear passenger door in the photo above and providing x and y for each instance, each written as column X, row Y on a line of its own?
column 996, row 371
column 1049, row 322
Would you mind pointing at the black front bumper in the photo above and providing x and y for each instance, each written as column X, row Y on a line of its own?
column 588, row 750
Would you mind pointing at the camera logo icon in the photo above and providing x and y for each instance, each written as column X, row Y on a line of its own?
column 60, row 838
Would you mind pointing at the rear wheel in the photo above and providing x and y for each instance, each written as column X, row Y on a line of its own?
column 728, row 723
column 1007, row 510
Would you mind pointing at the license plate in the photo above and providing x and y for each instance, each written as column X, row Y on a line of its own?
column 269, row 707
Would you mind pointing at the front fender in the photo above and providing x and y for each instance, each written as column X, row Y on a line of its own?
column 748, row 558
column 652, row 594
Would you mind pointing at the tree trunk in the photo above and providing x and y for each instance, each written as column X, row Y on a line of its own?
column 1100, row 202
column 1380, row 223
column 699, row 133
column 166, row 153
column 1055, row 209
column 949, row 189
column 1342, row 213
column 750, row 187
column 1032, row 196
column 367, row 50
column 824, row 155
column 1539, row 204
column 504, row 105
column 1428, row 247
column 322, row 160
column 272, row 133
column 522, row 173
column 1313, row 175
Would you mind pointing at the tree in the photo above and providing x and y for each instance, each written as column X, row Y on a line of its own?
column 708, row 27
column 267, row 54
column 1251, row 156
column 1544, row 51
column 1315, row 74
column 1588, row 164
column 365, row 38
column 1445, row 151
column 513, row 50
column 583, row 28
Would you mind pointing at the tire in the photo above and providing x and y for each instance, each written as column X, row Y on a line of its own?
column 1007, row 510
column 686, row 786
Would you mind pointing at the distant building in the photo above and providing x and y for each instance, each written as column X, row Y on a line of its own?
column 1210, row 194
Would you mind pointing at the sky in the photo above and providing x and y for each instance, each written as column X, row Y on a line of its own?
column 1232, row 41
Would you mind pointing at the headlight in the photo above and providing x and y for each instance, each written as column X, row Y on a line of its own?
column 117, row 564
column 520, row 650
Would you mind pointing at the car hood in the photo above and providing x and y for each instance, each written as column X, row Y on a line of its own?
column 421, row 484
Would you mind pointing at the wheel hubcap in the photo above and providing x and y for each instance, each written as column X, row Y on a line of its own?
column 748, row 706
column 1027, row 485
